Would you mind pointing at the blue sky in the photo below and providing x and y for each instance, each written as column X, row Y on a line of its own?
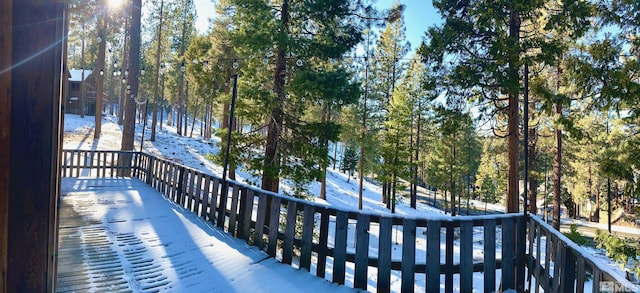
column 418, row 16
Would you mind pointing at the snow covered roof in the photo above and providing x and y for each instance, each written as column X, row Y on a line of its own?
column 76, row 74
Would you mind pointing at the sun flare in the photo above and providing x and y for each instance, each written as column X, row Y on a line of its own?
column 114, row 3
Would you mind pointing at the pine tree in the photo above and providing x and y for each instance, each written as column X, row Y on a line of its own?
column 156, row 96
column 349, row 160
column 134, row 57
column 491, row 179
column 396, row 148
column 294, row 37
column 489, row 48
column 387, row 69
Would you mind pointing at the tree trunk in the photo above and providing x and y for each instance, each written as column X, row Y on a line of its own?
column 393, row 193
column 271, row 168
column 385, row 192
column 203, row 123
column 186, row 108
column 83, row 89
column 193, row 121
column 100, row 74
column 416, row 158
column 512, row 129
column 609, row 205
column 412, row 185
column 364, row 128
column 162, row 108
column 557, row 163
column 452, row 183
column 533, row 181
column 180, row 105
column 181, row 80
column 124, row 66
column 156, row 76
column 130, row 111
column 111, row 93
column 323, row 180
column 557, row 174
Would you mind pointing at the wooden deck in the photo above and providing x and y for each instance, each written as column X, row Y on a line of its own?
column 138, row 220
column 120, row 235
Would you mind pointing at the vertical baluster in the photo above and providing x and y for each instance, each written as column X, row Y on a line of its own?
column 489, row 255
column 466, row 256
column 213, row 206
column 307, row 237
column 508, row 247
column 289, row 231
column 580, row 274
column 433, row 257
column 340, row 247
column 408, row 255
column 448, row 255
column 246, row 210
column 222, row 208
column 274, row 225
column 362, row 252
column 233, row 210
column 262, row 212
column 204, row 203
column 384, row 254
column 322, row 243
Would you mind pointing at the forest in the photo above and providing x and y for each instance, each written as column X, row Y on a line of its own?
column 500, row 98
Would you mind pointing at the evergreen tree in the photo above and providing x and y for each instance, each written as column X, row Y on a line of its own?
column 449, row 163
column 489, row 46
column 349, row 160
column 396, row 148
column 128, row 128
column 156, row 72
column 294, row 37
column 491, row 179
column 388, row 68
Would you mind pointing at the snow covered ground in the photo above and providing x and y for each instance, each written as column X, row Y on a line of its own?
column 191, row 152
column 342, row 193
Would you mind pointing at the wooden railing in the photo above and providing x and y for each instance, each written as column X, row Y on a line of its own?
column 556, row 264
column 344, row 246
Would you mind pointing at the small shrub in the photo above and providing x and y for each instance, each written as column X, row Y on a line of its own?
column 621, row 250
column 576, row 237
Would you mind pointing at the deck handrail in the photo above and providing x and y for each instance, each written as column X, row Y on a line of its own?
column 311, row 235
column 573, row 265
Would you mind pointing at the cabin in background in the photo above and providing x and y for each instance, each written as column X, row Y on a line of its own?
column 72, row 102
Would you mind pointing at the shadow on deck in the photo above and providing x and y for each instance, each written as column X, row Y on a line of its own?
column 120, row 235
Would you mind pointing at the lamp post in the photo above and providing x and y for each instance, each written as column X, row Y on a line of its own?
column 223, row 190
column 526, row 136
column 144, row 123
column 231, row 113
column 144, row 118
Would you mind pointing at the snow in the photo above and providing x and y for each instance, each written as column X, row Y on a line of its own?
column 342, row 193
column 191, row 152
column 184, row 253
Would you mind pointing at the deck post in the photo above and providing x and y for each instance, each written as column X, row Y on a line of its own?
column 31, row 50
column 150, row 167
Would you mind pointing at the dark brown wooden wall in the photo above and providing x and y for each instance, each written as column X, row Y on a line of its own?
column 31, row 43
column 5, row 106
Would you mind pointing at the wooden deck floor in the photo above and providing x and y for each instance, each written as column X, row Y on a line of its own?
column 120, row 235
